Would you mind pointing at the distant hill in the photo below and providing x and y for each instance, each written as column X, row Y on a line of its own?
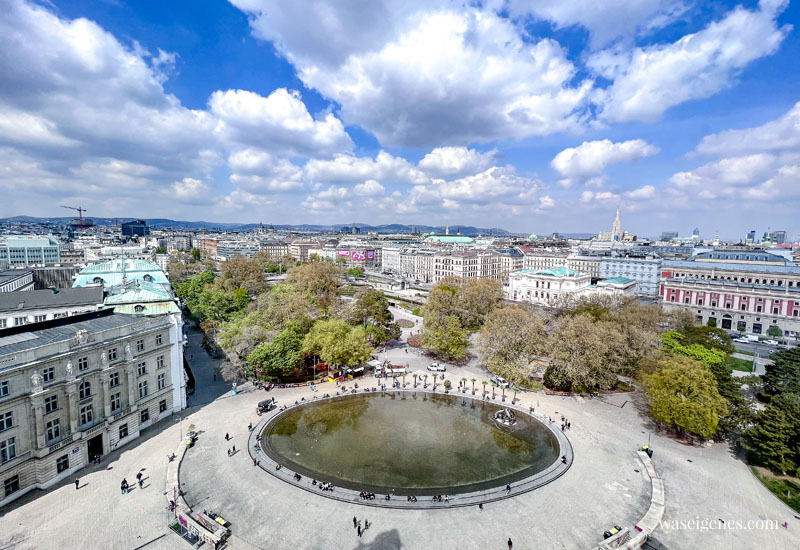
column 162, row 223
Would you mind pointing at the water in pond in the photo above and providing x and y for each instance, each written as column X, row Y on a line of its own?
column 413, row 443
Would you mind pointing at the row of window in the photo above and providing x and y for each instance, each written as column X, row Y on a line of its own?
column 48, row 374
column 8, row 448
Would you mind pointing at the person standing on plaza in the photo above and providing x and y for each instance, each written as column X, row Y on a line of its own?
column 227, row 437
column 510, row 544
column 354, row 522
column 77, row 481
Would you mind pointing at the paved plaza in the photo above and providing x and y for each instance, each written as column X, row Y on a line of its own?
column 606, row 485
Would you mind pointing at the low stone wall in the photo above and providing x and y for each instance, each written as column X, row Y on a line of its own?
column 628, row 540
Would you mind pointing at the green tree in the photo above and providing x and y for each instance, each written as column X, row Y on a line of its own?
column 510, row 339
column 683, row 393
column 712, row 322
column 783, row 373
column 161, row 250
column 319, row 281
column 355, row 272
column 774, row 439
column 284, row 304
column 774, row 331
column 710, row 337
column 674, row 343
column 196, row 254
column 241, row 272
column 445, row 337
column 282, row 356
column 337, row 344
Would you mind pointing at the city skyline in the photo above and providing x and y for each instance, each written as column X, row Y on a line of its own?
column 529, row 118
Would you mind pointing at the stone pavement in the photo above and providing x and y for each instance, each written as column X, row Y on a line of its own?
column 606, row 485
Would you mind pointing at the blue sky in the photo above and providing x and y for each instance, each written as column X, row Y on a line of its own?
column 534, row 116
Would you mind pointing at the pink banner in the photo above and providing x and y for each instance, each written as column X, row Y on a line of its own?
column 343, row 252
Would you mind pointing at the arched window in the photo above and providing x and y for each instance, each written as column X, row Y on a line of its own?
column 139, row 309
column 85, row 390
column 98, row 280
column 148, row 278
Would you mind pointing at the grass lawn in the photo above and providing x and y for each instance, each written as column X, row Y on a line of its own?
column 744, row 365
column 743, row 352
column 779, row 487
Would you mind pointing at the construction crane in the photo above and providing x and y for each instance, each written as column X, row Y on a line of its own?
column 80, row 210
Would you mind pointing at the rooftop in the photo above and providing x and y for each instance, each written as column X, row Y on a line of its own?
column 557, row 272
column 748, row 267
column 618, row 281
column 40, row 299
column 28, row 337
column 11, row 274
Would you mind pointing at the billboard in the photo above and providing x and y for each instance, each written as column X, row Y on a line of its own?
column 343, row 252
column 370, row 254
column 358, row 256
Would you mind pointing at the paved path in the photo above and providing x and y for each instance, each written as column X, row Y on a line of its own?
column 606, row 485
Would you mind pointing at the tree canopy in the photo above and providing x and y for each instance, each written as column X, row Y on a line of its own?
column 337, row 344
column 510, row 339
column 683, row 393
column 319, row 281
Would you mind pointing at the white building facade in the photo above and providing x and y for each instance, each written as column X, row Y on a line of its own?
column 75, row 389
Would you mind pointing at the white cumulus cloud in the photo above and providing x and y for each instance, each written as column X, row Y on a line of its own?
column 456, row 161
column 648, row 80
column 280, row 122
column 588, row 161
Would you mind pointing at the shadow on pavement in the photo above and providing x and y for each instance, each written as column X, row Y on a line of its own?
column 204, row 368
column 387, row 540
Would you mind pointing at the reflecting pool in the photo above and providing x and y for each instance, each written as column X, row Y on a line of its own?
column 409, row 442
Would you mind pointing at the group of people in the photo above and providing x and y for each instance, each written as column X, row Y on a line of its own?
column 233, row 452
column 412, row 499
column 357, row 525
column 125, row 487
column 297, row 477
column 366, row 496
column 438, row 498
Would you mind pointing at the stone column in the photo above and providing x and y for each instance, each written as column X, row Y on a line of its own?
column 72, row 408
column 106, row 397
column 131, row 385
column 37, row 402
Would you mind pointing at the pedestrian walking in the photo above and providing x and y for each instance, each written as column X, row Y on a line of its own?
column 229, row 452
column 139, row 476
column 354, row 522
column 359, row 530
column 508, row 489
column 215, row 378
column 191, row 356
column 234, row 448
column 227, row 437
column 141, row 483
column 480, row 506
column 77, row 481
column 510, row 544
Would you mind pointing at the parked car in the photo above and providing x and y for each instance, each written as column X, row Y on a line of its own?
column 771, row 342
column 499, row 381
column 436, row 367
